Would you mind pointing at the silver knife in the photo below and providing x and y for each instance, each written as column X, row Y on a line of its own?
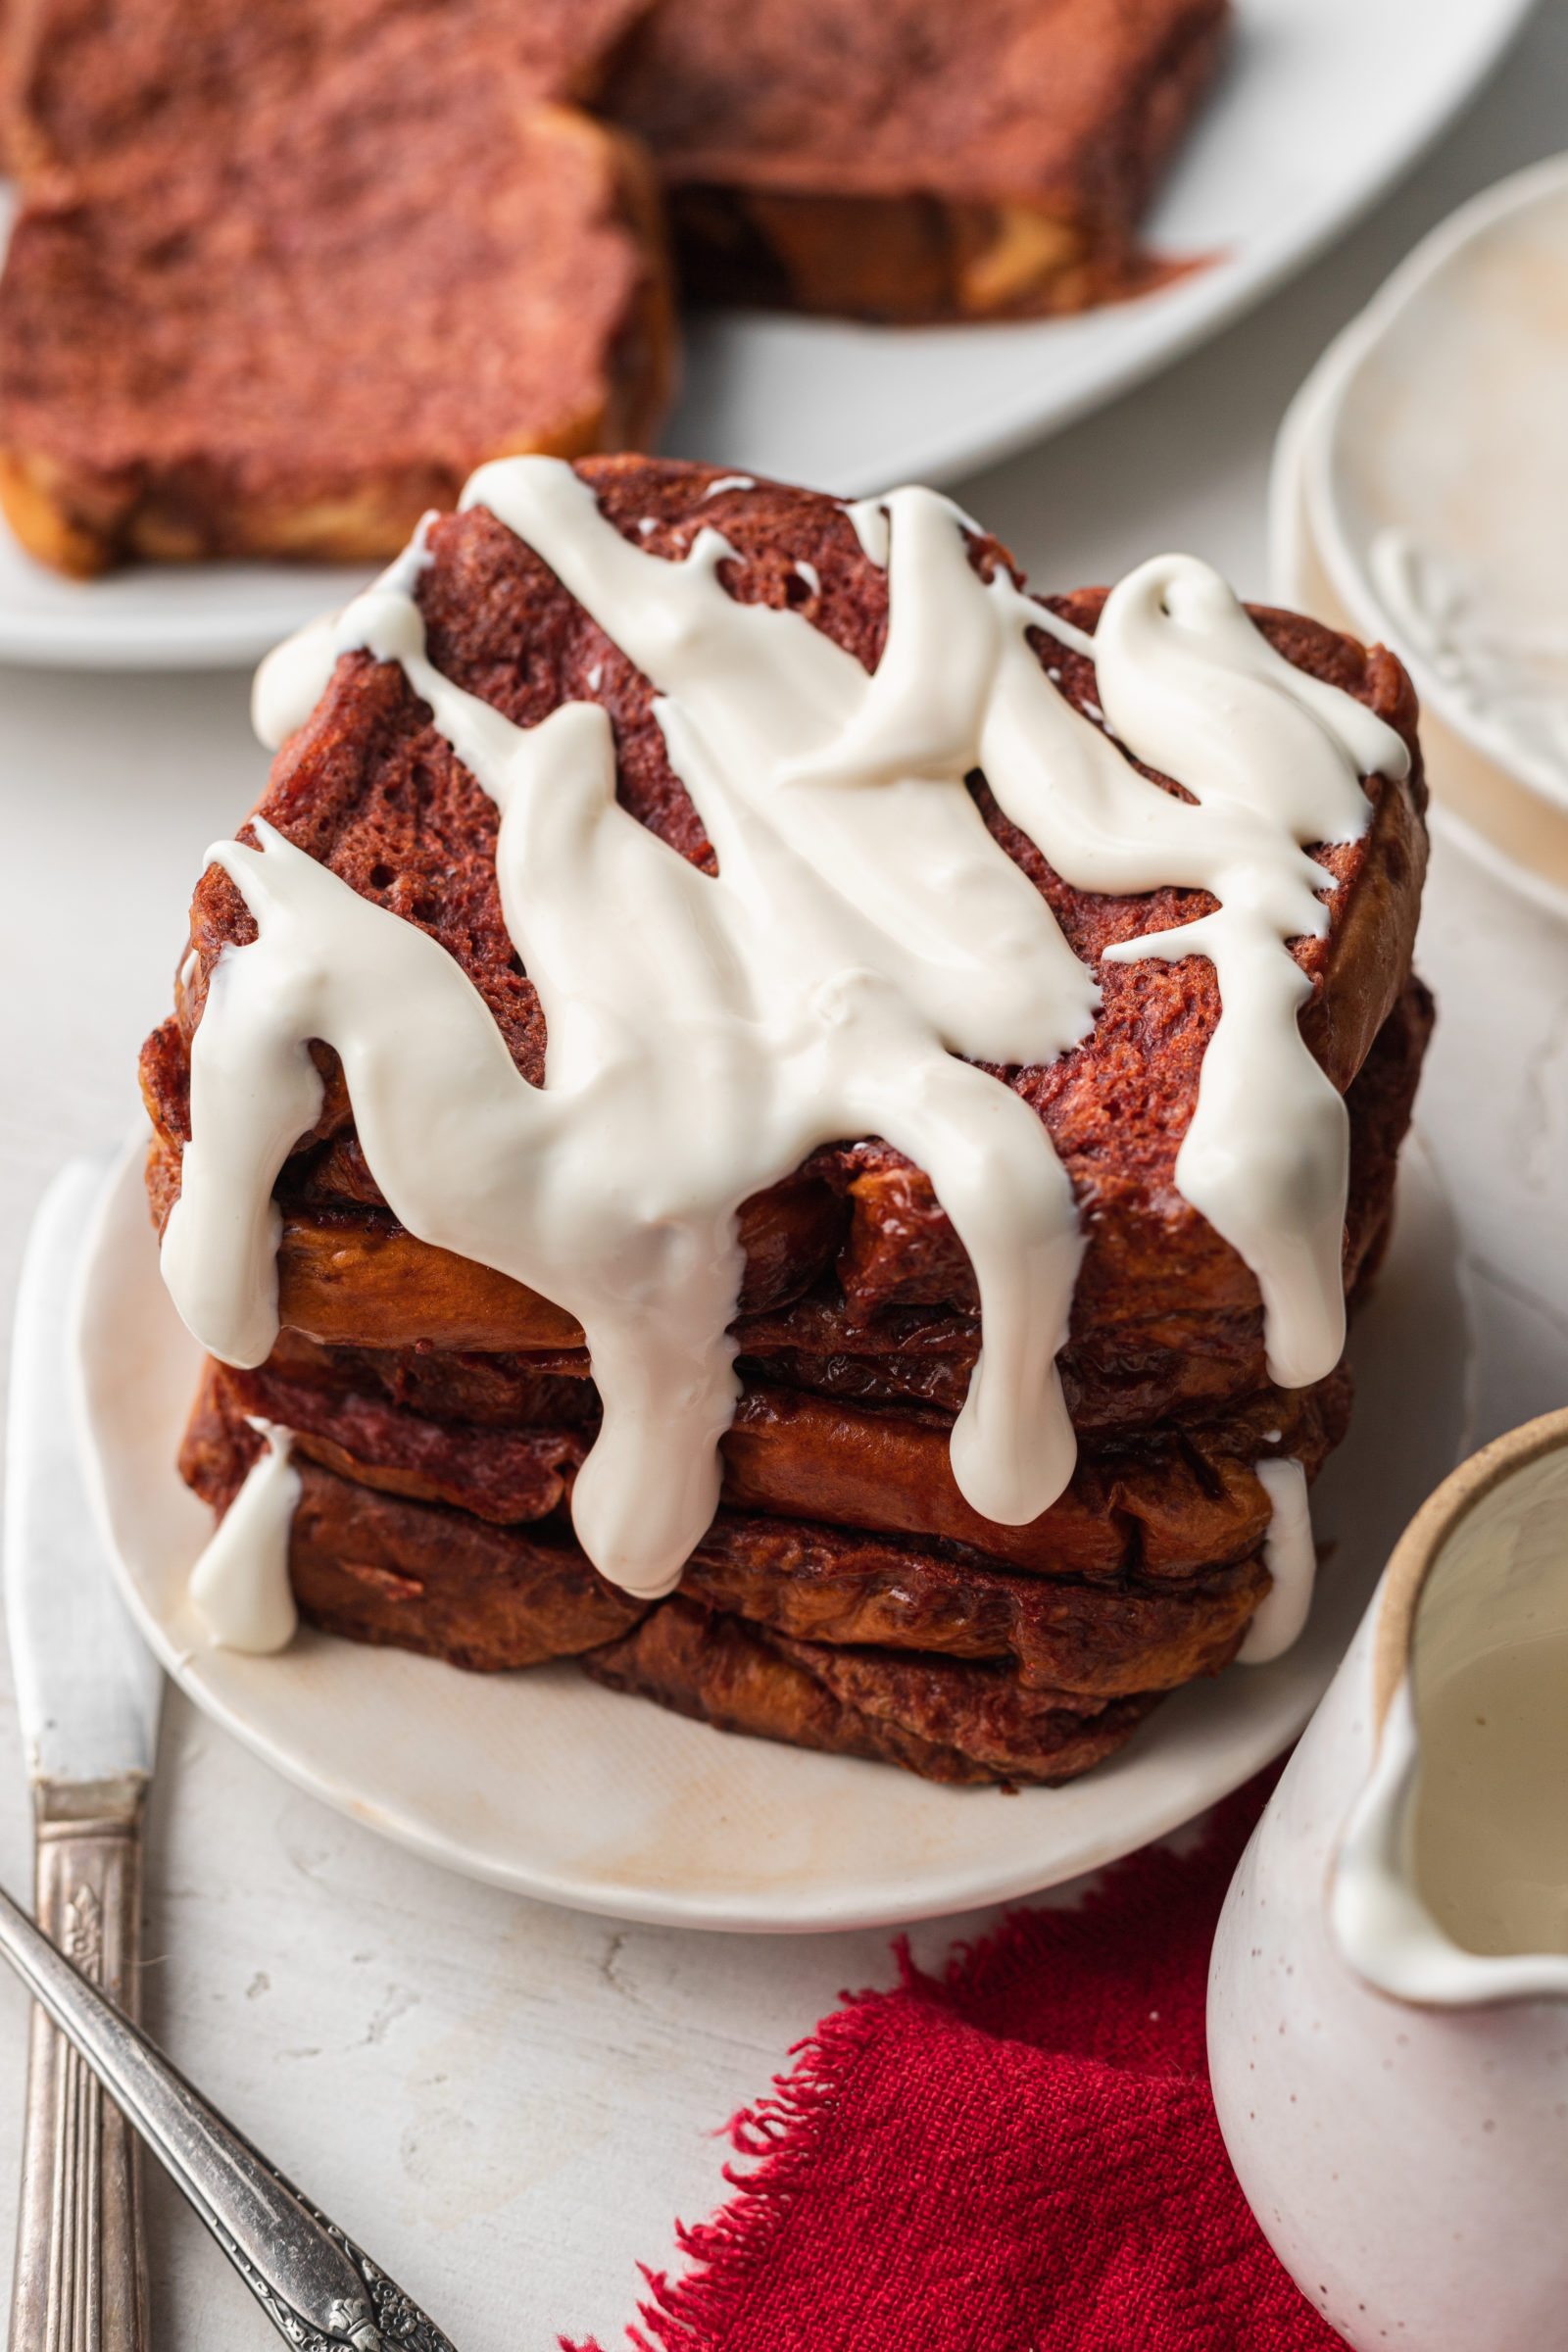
column 88, row 1693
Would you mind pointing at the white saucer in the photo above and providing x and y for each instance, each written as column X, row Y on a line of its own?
column 1323, row 104
column 1435, row 412
column 544, row 1783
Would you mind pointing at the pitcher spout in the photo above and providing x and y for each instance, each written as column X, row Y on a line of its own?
column 1377, row 1917
column 1450, row 1884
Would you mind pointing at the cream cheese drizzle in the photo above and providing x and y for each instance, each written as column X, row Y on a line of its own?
column 864, row 932
column 281, row 699
column 240, row 1583
column 867, row 519
column 1290, row 1555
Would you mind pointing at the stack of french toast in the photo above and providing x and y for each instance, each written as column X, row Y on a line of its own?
column 845, row 1596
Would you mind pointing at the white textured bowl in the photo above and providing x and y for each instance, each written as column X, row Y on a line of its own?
column 545, row 1782
column 1420, row 483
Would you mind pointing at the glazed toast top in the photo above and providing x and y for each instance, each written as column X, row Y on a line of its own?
column 369, row 786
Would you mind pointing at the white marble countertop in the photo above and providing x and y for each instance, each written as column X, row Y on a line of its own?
column 510, row 2105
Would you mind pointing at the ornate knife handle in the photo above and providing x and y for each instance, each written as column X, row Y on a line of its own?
column 80, row 2280
column 315, row 2285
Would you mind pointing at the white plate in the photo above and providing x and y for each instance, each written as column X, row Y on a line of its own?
column 546, row 1784
column 1323, row 104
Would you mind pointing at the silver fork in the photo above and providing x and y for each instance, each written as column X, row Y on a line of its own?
column 314, row 2283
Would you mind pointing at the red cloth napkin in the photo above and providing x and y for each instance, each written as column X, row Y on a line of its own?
column 1020, row 2155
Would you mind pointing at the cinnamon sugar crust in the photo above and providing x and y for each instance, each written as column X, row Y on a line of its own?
column 945, row 1721
column 288, row 299
column 89, row 78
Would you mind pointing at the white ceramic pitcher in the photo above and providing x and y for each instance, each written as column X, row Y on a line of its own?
column 1388, row 2001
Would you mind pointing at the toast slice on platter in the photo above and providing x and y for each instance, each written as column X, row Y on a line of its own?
column 281, row 277
column 923, row 159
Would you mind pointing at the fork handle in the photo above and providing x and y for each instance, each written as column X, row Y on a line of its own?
column 80, row 2282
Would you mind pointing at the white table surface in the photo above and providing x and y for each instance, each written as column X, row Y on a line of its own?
column 508, row 2105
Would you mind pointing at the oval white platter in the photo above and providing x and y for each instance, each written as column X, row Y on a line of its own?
column 546, row 1784
column 1322, row 105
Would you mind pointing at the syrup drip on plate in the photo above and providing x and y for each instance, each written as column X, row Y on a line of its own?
column 864, row 941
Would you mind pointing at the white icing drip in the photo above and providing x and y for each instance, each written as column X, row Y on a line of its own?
column 811, row 576
column 292, row 681
column 240, row 1583
column 868, row 519
column 730, row 481
column 1272, row 757
column 864, row 930
column 295, row 674
column 780, row 721
column 1068, row 633
column 648, row 526
column 1291, row 1557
